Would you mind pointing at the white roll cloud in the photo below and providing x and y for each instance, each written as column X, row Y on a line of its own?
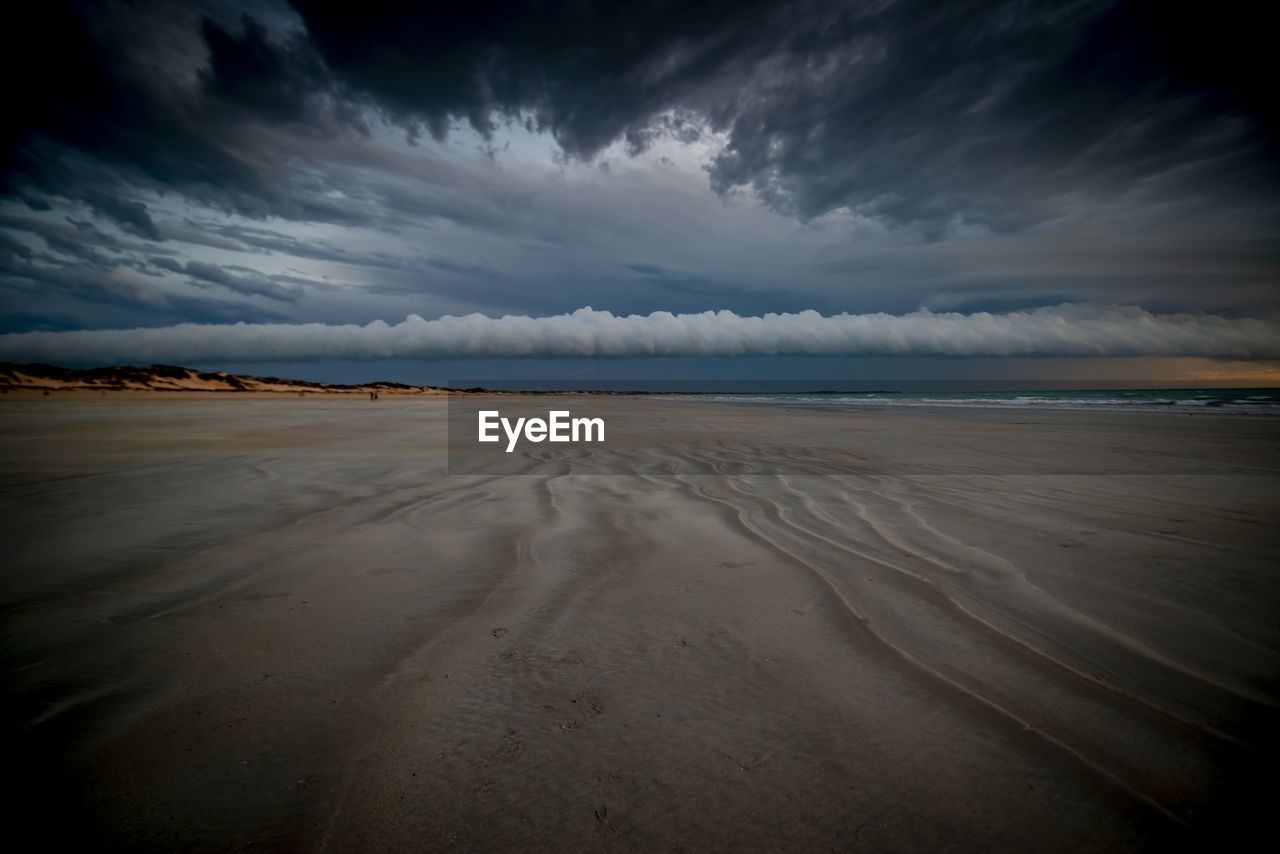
column 1064, row 330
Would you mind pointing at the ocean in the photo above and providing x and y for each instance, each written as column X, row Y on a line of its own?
column 1002, row 394
column 1245, row 400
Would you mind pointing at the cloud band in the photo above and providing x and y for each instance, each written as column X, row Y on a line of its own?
column 1064, row 330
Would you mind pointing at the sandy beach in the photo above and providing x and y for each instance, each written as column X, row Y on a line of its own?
column 284, row 624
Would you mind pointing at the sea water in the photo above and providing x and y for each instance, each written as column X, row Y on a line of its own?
column 1260, row 400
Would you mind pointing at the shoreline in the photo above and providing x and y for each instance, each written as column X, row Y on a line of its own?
column 168, row 378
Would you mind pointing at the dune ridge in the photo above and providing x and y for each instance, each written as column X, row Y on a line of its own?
column 41, row 377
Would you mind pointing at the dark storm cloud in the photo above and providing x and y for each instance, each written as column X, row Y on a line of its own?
column 133, row 156
column 160, row 96
column 915, row 112
column 248, row 72
column 588, row 73
column 918, row 113
column 1004, row 115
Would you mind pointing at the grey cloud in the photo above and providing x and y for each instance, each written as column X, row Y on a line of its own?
column 251, row 285
column 68, row 248
column 930, row 119
column 1054, row 331
column 250, row 72
column 1005, row 115
column 164, row 96
column 689, row 292
column 73, row 236
column 170, row 264
column 72, row 297
column 921, row 114
column 447, row 266
column 1163, row 272
column 79, row 280
column 131, row 215
column 645, row 269
column 274, row 241
column 116, row 284
column 588, row 74
column 218, row 311
column 308, row 283
column 201, row 234
column 12, row 252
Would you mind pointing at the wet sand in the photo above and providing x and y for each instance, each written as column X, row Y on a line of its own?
column 278, row 624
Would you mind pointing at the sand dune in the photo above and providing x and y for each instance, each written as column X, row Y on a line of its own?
column 47, row 378
column 279, row 623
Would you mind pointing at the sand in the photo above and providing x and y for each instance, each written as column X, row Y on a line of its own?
column 278, row 624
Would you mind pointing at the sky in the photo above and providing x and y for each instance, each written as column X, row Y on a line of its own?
column 422, row 191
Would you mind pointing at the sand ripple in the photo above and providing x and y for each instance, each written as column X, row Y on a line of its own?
column 282, row 624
